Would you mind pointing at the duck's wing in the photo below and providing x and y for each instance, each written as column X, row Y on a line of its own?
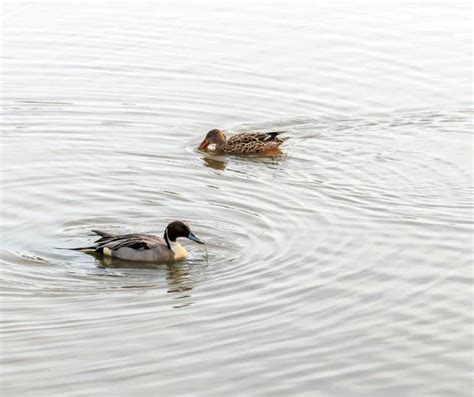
column 253, row 142
column 139, row 242
column 255, row 137
column 272, row 136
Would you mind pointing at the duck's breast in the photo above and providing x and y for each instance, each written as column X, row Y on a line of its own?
column 179, row 251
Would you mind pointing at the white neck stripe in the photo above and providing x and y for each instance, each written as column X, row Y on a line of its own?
column 172, row 244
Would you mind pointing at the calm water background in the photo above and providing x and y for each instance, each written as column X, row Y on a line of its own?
column 343, row 267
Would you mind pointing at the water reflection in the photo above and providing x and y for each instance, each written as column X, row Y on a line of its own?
column 180, row 284
column 177, row 276
column 214, row 163
column 320, row 241
column 219, row 163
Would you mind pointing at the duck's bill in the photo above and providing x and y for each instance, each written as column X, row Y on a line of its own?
column 192, row 237
column 204, row 144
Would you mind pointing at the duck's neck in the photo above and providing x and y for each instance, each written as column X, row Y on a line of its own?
column 220, row 142
column 169, row 243
column 178, row 251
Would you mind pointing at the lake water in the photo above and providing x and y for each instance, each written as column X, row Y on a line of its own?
column 341, row 268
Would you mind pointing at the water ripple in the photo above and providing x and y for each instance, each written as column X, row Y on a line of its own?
column 339, row 267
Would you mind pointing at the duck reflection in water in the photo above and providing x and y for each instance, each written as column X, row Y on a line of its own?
column 177, row 275
column 220, row 163
column 217, row 163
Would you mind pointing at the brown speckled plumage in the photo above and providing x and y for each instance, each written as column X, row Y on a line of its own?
column 243, row 143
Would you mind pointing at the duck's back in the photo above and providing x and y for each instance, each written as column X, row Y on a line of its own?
column 253, row 142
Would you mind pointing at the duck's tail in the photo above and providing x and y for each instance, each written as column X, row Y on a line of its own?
column 88, row 249
column 82, row 249
column 273, row 135
column 102, row 234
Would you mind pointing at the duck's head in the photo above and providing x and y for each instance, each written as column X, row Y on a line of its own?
column 214, row 136
column 179, row 229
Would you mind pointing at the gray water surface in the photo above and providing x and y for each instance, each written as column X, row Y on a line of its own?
column 342, row 267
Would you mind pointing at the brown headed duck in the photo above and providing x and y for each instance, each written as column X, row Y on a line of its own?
column 242, row 143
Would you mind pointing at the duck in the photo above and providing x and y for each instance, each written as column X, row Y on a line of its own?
column 143, row 247
column 242, row 143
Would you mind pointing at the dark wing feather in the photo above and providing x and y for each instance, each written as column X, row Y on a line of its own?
column 247, row 137
column 272, row 136
column 135, row 241
column 135, row 244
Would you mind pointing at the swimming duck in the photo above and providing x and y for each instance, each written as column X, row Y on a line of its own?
column 144, row 247
column 243, row 143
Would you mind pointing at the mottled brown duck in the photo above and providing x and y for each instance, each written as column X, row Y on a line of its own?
column 243, row 143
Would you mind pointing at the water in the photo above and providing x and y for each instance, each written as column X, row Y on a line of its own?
column 342, row 267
